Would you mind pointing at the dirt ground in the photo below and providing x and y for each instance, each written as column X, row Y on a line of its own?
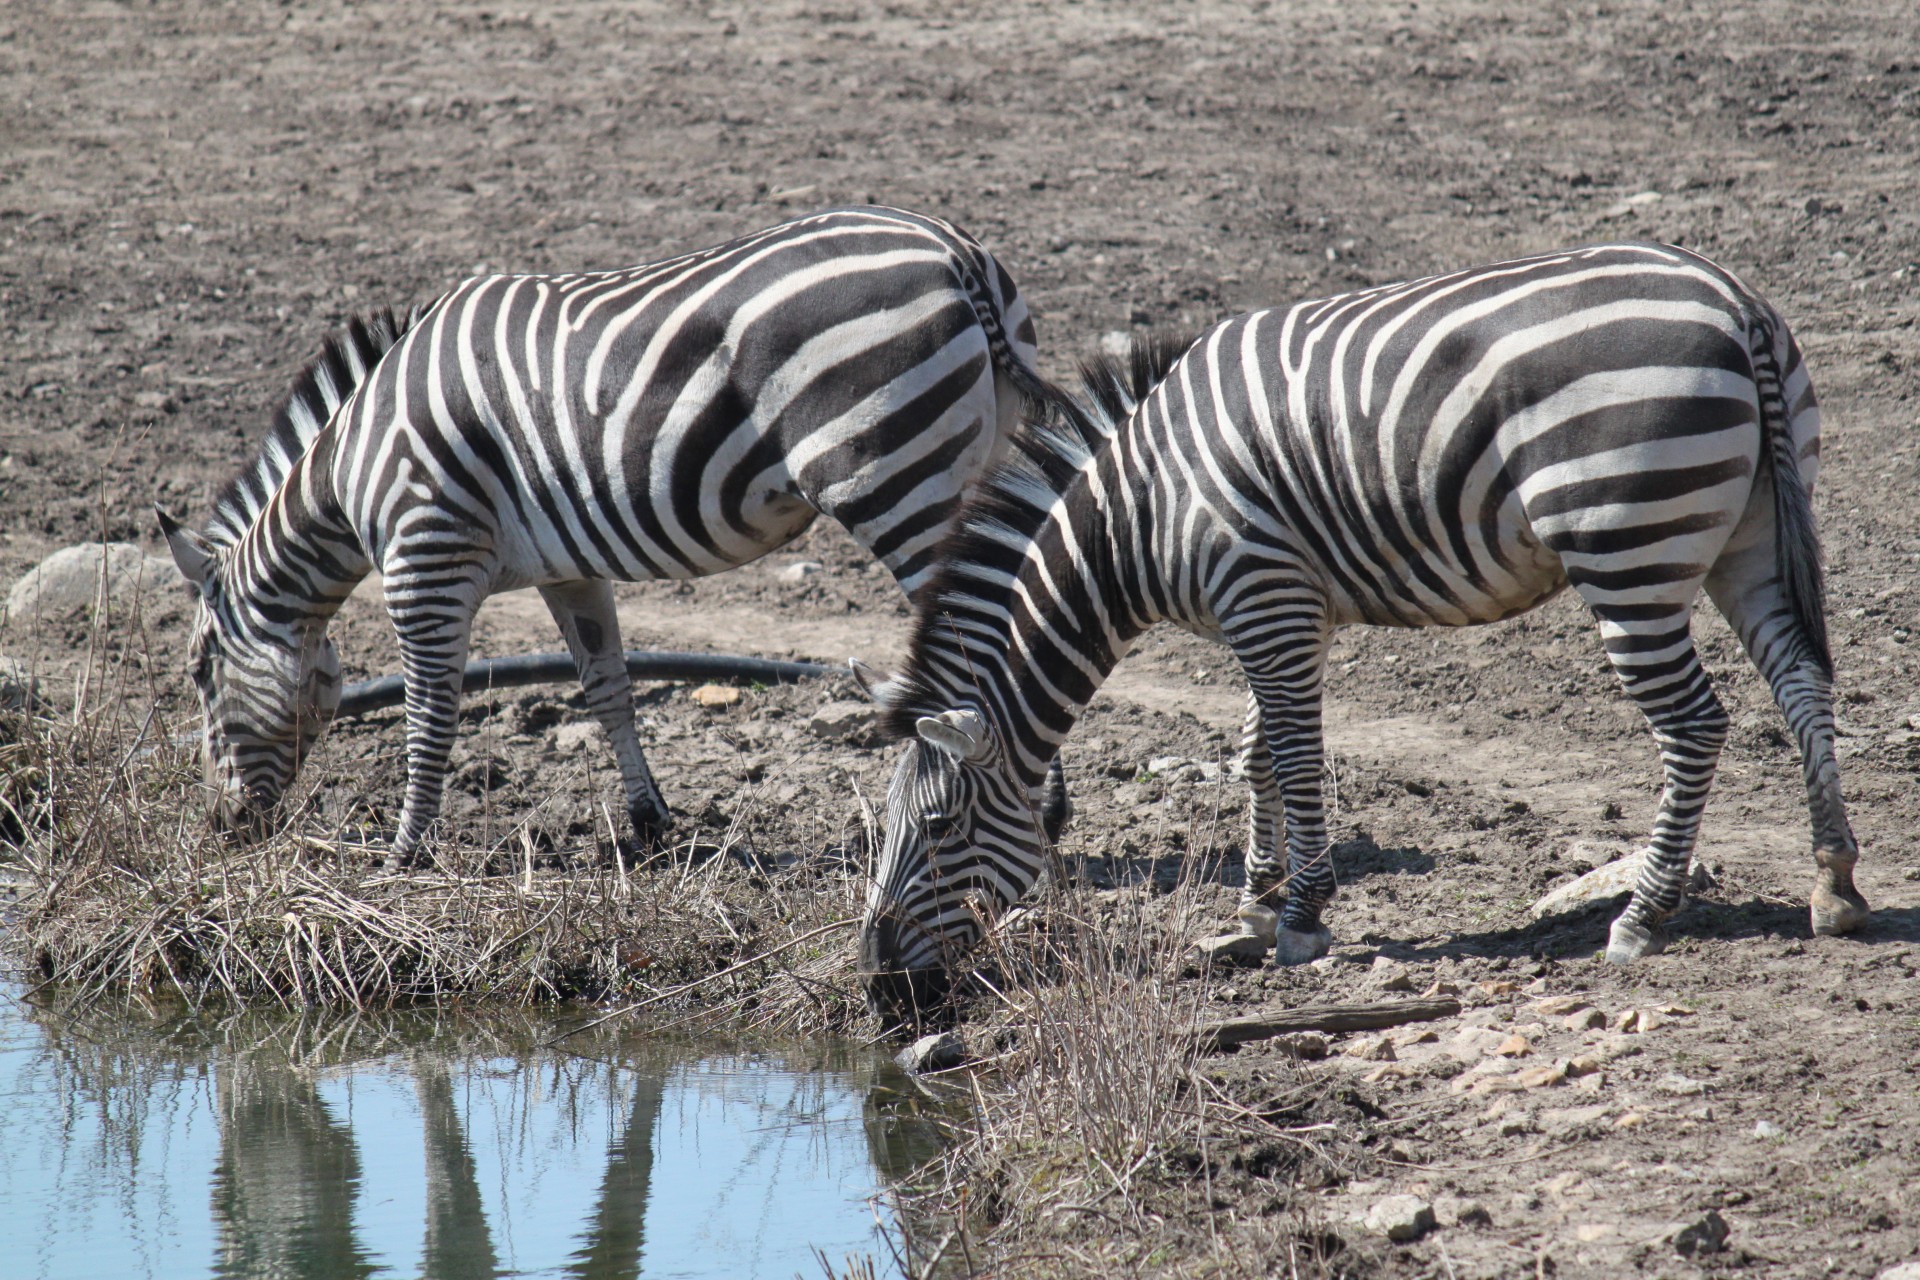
column 193, row 195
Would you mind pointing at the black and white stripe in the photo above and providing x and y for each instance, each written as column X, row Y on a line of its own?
column 1630, row 420
column 564, row 431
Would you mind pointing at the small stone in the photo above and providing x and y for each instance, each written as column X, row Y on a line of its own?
column 1706, row 1234
column 1574, row 1117
column 574, row 736
column 799, row 571
column 1904, row 1271
column 1229, row 949
column 1585, row 1020
column 1593, row 1232
column 1371, row 1049
column 1441, row 987
column 1416, row 1035
column 1388, row 1071
column 715, row 696
column 1542, row 1077
column 1456, row 1211
column 855, row 723
column 1116, row 343
column 1680, row 1086
column 1674, row 1010
column 1307, row 1046
column 1631, row 1120
column 1639, row 1021
column 1766, row 1129
column 1585, row 1065
column 1555, row 1006
column 942, row 1052
column 1400, row 1218
column 1513, row 1047
column 1396, row 982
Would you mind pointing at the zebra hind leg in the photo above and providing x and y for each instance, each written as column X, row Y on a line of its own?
column 585, row 614
column 1652, row 653
column 1757, row 609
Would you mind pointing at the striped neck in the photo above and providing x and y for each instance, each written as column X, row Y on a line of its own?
column 300, row 558
column 1025, row 629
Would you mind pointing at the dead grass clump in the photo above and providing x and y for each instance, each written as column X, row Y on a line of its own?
column 125, row 889
column 1103, row 1142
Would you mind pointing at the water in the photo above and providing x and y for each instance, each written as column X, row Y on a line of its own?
column 145, row 1144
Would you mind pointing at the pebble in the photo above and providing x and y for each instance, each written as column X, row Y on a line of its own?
column 1513, row 1047
column 941, row 1052
column 1400, row 1218
column 1372, row 1049
column 1585, row 1020
column 1639, row 1021
column 1706, row 1234
column 713, row 696
column 1555, row 1006
column 799, row 571
column 1904, row 1271
column 1307, row 1046
column 1631, row 1120
column 576, row 735
column 1766, row 1129
column 1680, row 1086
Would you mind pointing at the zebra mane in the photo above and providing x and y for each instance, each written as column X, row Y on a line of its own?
column 320, row 388
column 1059, row 436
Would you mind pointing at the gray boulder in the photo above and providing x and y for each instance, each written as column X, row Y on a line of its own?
column 73, row 578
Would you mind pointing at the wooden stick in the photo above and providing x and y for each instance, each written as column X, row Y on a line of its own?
column 1323, row 1017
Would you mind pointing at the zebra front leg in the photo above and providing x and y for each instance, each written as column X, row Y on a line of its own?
column 1655, row 660
column 1259, row 911
column 586, row 616
column 433, row 619
column 1285, row 676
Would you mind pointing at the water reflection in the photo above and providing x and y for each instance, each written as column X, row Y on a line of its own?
column 160, row 1144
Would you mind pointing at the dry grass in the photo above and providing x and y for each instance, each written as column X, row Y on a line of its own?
column 126, row 890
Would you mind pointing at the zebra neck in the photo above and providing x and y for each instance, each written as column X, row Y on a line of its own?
column 1029, row 637
column 299, row 559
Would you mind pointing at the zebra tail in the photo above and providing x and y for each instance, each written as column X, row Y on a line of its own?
column 1796, row 546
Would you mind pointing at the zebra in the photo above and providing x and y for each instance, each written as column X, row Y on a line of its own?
column 1630, row 420
column 563, row 432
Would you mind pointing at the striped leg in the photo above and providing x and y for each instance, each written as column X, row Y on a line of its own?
column 1652, row 652
column 585, row 613
column 1749, row 596
column 1285, row 663
column 432, row 608
column 1265, row 824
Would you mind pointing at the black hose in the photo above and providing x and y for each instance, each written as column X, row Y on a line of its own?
column 551, row 668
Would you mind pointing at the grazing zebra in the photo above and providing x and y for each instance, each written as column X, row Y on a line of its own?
column 666, row 421
column 1627, row 419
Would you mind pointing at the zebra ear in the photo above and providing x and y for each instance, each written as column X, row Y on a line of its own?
column 192, row 553
column 871, row 683
column 961, row 734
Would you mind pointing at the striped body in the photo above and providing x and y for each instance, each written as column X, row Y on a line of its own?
column 1630, row 420
column 562, row 432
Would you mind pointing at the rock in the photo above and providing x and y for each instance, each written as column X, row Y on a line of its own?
column 1307, row 1046
column 70, row 580
column 1116, row 343
column 715, row 696
column 1585, row 1065
column 1596, row 853
column 1457, row 1211
column 1904, row 1271
column 1498, row 987
column 1608, row 881
column 19, row 689
column 1558, row 1118
column 1706, row 1234
column 1229, row 949
column 1555, row 1006
column 1768, row 1129
column 1542, row 1077
column 1400, row 1218
column 1639, row 1021
column 856, row 723
column 799, row 571
column 1513, row 1047
column 1585, row 1020
column 1631, row 1120
column 574, row 736
column 1680, row 1086
column 1372, row 1049
column 942, row 1052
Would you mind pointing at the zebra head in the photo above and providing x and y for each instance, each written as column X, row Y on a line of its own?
column 266, row 693
column 963, row 843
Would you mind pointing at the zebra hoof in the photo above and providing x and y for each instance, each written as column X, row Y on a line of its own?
column 1837, row 911
column 1258, row 921
column 1299, row 946
column 1627, row 942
